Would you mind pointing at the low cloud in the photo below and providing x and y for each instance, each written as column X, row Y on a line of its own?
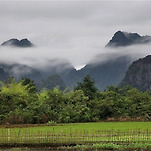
column 43, row 57
column 76, row 31
column 134, row 52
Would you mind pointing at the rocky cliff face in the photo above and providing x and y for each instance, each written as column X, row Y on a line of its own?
column 139, row 74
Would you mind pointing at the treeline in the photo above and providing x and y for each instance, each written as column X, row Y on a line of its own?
column 20, row 103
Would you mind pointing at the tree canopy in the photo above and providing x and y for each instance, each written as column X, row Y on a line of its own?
column 20, row 103
column 88, row 87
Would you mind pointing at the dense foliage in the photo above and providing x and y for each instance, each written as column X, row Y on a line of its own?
column 21, row 103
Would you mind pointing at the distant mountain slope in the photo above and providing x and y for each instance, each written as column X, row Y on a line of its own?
column 64, row 69
column 52, row 82
column 107, row 73
column 71, row 76
column 139, row 74
column 18, row 43
column 19, row 71
column 3, row 74
column 125, row 39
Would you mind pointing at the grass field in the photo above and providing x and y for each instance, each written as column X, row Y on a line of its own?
column 86, row 126
column 78, row 133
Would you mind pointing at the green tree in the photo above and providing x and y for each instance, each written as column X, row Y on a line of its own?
column 88, row 87
column 30, row 85
column 55, row 101
column 16, row 102
column 75, row 109
column 141, row 102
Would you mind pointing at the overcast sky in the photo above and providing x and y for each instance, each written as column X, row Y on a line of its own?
column 75, row 30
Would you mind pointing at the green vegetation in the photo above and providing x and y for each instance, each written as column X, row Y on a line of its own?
column 80, row 136
column 110, row 146
column 95, row 126
column 20, row 103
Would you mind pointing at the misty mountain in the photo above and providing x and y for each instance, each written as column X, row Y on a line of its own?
column 18, row 43
column 139, row 74
column 63, row 68
column 108, row 73
column 52, row 82
column 126, row 39
column 3, row 74
column 55, row 66
column 62, row 72
column 71, row 76
column 64, row 75
column 19, row 71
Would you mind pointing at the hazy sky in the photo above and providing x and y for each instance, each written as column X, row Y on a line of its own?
column 75, row 30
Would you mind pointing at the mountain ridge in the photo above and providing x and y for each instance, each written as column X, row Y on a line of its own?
column 24, row 43
column 122, row 38
column 109, row 72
